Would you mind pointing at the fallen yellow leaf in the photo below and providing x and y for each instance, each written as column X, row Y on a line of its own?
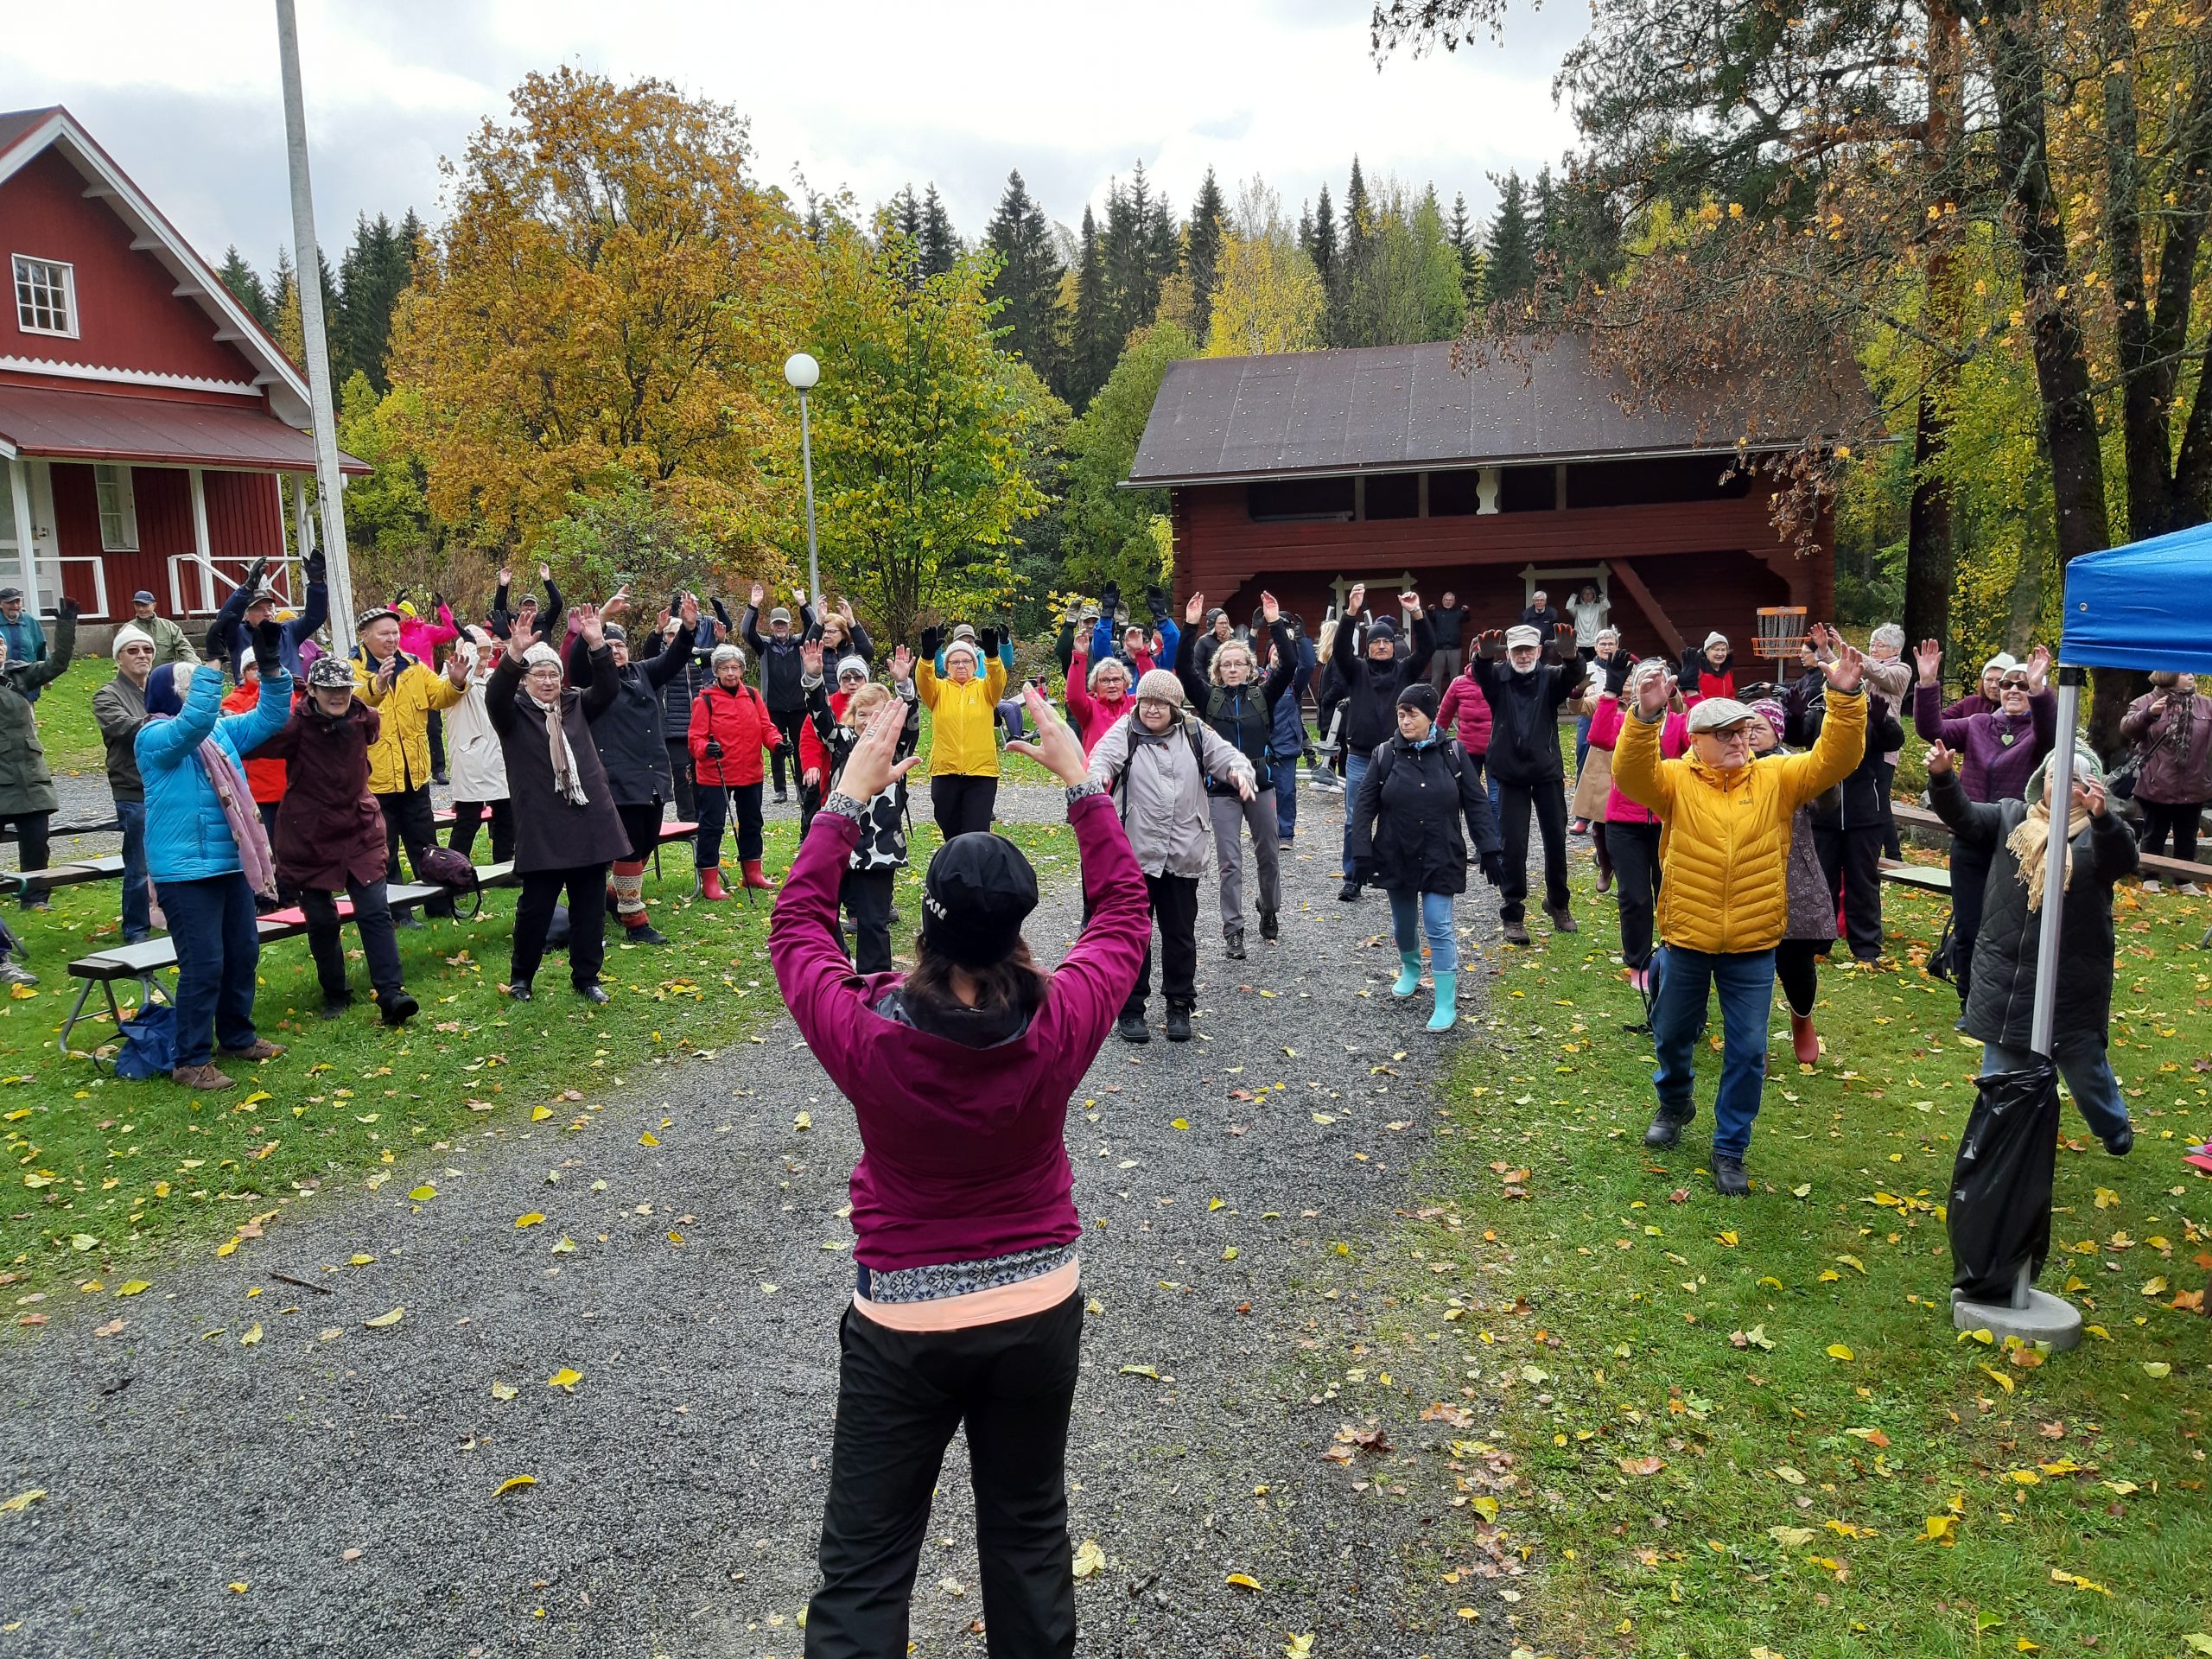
column 1090, row 1558
column 565, row 1378
column 513, row 1481
column 529, row 1220
column 1243, row 1581
column 384, row 1321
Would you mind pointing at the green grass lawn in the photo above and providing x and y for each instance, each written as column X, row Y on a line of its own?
column 1749, row 1428
column 66, row 725
column 111, row 1178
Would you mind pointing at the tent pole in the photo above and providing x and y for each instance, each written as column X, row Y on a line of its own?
column 2054, row 876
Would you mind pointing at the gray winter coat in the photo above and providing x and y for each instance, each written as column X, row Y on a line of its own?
column 120, row 709
column 2000, row 1002
column 26, row 781
column 1161, row 793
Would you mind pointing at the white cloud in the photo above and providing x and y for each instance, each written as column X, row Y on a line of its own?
column 869, row 94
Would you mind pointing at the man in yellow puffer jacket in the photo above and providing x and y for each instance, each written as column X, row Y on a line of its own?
column 1724, row 894
column 404, row 691
column 963, row 729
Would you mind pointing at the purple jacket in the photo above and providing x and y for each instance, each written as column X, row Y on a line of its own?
column 1998, row 755
column 964, row 1158
column 2178, row 770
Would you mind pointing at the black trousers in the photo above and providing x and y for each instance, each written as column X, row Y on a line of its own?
column 641, row 823
column 1599, row 850
column 1969, row 882
column 715, row 803
column 408, row 822
column 1175, row 905
column 1549, row 802
column 679, row 762
column 2158, row 817
column 541, row 891
column 31, row 838
column 1795, row 966
column 1886, row 775
column 810, row 797
column 1635, row 850
column 867, row 897
column 962, row 805
column 468, row 817
column 1852, row 861
column 437, row 728
column 326, row 942
column 901, row 1394
column 787, row 722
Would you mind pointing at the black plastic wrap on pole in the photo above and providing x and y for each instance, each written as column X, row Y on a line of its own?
column 1999, row 1213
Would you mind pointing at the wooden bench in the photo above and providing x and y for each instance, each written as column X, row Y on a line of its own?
column 671, row 830
column 144, row 961
column 33, row 883
column 1928, row 878
column 55, row 831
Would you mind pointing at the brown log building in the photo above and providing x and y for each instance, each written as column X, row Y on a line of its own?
column 1305, row 473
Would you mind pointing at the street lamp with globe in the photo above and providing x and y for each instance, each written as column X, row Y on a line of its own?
column 802, row 372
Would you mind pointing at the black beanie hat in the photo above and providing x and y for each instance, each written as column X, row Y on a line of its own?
column 1381, row 628
column 1420, row 695
column 979, row 891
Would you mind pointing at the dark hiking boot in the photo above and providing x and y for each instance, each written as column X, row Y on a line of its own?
column 2121, row 1142
column 593, row 992
column 1269, row 930
column 1131, row 1028
column 1518, row 933
column 1665, row 1129
column 397, row 1008
column 1728, row 1177
column 405, row 919
column 335, row 1004
column 519, row 990
column 1349, row 892
column 1560, row 920
column 1235, row 942
column 644, row 933
column 1178, row 1024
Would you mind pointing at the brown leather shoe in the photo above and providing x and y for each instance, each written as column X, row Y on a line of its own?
column 262, row 1049
column 200, row 1077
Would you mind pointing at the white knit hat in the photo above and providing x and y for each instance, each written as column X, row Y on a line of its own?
column 1716, row 637
column 128, row 635
column 541, row 652
column 975, row 653
column 852, row 666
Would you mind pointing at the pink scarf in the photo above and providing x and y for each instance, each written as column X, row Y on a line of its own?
column 227, row 777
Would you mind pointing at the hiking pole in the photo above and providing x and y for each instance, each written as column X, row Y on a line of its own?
column 730, row 815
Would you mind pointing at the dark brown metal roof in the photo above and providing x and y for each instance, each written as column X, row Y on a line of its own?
column 91, row 426
column 1407, row 408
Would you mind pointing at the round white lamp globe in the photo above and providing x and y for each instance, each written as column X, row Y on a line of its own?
column 802, row 372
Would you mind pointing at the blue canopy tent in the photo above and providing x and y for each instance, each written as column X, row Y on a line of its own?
column 2146, row 606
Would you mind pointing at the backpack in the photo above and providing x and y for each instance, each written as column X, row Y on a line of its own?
column 442, row 866
column 1191, row 734
column 149, row 1044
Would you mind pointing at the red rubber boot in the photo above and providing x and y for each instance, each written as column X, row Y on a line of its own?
column 1804, row 1040
column 753, row 878
column 710, row 884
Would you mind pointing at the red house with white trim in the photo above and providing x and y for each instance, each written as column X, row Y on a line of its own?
column 149, row 426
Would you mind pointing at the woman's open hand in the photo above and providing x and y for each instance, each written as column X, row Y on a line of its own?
column 1057, row 748
column 873, row 765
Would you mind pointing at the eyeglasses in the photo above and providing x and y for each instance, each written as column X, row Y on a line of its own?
column 1732, row 734
column 2013, row 685
column 851, row 674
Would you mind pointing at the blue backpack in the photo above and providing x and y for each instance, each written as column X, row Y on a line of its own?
column 149, row 1044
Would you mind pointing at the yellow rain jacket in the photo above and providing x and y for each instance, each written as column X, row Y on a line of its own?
column 1724, row 851
column 400, row 758
column 964, row 730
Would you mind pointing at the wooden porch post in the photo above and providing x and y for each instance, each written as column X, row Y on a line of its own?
column 201, row 548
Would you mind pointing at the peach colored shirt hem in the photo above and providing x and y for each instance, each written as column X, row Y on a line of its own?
column 992, row 1306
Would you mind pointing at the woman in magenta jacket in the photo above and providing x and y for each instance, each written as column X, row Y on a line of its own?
column 968, row 1306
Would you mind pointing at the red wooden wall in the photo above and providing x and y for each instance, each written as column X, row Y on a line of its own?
column 244, row 520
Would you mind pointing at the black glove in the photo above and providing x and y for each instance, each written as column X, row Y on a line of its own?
column 929, row 638
column 68, row 609
column 721, row 615
column 1156, row 599
column 212, row 648
column 317, row 567
column 989, row 638
column 254, row 573
column 437, row 602
column 713, row 748
column 1362, row 872
column 1617, row 669
column 268, row 647
column 1494, row 868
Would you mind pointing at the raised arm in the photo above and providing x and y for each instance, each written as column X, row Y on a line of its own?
column 169, row 742
column 1283, row 673
column 64, row 646
column 1186, row 655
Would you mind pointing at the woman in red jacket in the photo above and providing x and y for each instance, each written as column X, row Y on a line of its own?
column 968, row 1307
column 1097, row 697
column 731, row 729
column 1465, row 713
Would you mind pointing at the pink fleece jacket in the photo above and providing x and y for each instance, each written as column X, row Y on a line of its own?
column 1605, row 731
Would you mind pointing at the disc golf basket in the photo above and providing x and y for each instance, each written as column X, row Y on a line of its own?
column 1781, row 632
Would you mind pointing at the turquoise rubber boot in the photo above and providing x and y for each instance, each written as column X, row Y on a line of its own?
column 1447, row 1003
column 1408, row 973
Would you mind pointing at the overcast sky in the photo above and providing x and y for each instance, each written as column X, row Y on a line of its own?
column 864, row 94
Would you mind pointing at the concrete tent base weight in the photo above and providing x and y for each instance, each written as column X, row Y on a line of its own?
column 2033, row 1315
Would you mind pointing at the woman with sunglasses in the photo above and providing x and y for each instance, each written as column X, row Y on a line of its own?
column 1997, row 753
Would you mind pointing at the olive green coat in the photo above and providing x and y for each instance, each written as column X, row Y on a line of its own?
column 26, row 781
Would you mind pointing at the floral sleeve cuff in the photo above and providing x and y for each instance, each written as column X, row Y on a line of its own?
column 845, row 806
column 1085, row 791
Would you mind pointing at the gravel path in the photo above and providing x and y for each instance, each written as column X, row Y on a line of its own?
column 226, row 1476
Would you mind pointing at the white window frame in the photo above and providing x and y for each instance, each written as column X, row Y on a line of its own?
column 112, row 480
column 19, row 278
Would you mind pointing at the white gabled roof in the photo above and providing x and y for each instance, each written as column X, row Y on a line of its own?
column 27, row 133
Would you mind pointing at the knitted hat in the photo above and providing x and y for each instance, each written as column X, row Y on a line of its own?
column 2086, row 765
column 406, row 606
column 973, row 654
column 1771, row 712
column 963, row 631
column 2002, row 661
column 162, row 696
column 613, row 634
column 1716, row 637
column 1420, row 695
column 979, row 891
column 540, row 653
column 1381, row 628
column 1521, row 634
column 127, row 635
column 852, row 666
column 1161, row 685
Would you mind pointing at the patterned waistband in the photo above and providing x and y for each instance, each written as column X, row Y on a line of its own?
column 944, row 1279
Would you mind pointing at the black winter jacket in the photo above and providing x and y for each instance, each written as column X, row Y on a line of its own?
column 1524, row 714
column 1243, row 715
column 683, row 683
column 1372, row 687
column 1856, row 802
column 632, row 745
column 778, row 658
column 1405, row 823
column 2000, row 1003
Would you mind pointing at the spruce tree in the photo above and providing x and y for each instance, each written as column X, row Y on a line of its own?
column 939, row 242
column 1323, row 250
column 1202, row 254
column 1091, row 351
column 1028, row 280
column 1546, row 227
column 1512, row 262
column 246, row 287
column 373, row 274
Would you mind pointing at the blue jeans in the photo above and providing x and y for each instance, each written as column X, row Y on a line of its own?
column 2081, row 1061
column 1745, row 980
column 137, row 922
column 1581, row 744
column 218, row 948
column 1435, row 921
column 1286, row 796
column 1354, row 769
